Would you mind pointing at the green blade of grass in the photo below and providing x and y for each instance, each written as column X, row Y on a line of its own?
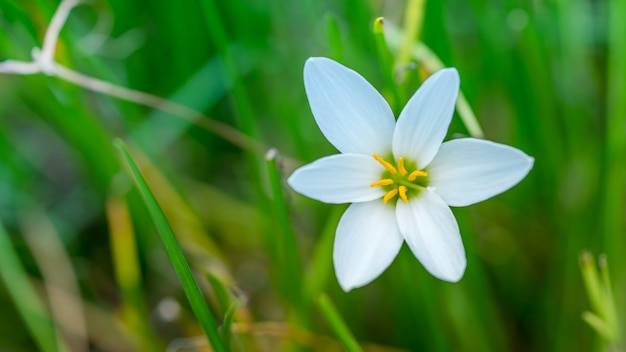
column 320, row 267
column 615, row 143
column 334, row 36
column 28, row 304
column 609, row 299
column 289, row 259
column 337, row 324
column 175, row 253
column 598, row 324
column 228, row 319
column 591, row 279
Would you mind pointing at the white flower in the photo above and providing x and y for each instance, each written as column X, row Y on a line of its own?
column 399, row 176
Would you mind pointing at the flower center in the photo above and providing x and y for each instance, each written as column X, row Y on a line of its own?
column 398, row 181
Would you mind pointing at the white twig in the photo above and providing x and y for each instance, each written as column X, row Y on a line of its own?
column 44, row 62
column 46, row 57
column 223, row 130
column 19, row 67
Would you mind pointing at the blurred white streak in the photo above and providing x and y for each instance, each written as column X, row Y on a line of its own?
column 52, row 33
column 19, row 67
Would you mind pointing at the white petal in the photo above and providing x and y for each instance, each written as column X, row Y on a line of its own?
column 341, row 178
column 432, row 233
column 468, row 170
column 353, row 116
column 367, row 241
column 423, row 122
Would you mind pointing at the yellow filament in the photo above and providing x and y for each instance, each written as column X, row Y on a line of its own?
column 415, row 174
column 387, row 166
column 390, row 195
column 402, row 191
column 401, row 166
column 383, row 182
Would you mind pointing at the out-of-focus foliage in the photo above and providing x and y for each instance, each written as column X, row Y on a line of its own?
column 548, row 77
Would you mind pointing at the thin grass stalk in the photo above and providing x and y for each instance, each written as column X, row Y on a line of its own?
column 337, row 324
column 615, row 147
column 334, row 37
column 175, row 253
column 288, row 247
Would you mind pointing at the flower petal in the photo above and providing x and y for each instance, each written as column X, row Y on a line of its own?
column 432, row 233
column 367, row 241
column 353, row 116
column 468, row 170
column 423, row 122
column 341, row 178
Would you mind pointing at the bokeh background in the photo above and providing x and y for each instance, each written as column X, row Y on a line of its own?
column 547, row 77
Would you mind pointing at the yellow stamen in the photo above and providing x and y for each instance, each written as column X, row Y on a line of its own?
column 401, row 166
column 415, row 174
column 402, row 191
column 390, row 195
column 383, row 182
column 387, row 166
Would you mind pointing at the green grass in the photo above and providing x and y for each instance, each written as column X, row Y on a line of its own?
column 546, row 77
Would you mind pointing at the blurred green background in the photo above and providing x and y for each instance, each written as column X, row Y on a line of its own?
column 547, row 77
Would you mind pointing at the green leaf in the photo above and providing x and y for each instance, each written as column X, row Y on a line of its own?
column 175, row 253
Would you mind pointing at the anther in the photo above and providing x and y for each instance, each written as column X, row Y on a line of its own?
column 415, row 174
column 383, row 182
column 402, row 191
column 387, row 166
column 390, row 195
column 401, row 166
